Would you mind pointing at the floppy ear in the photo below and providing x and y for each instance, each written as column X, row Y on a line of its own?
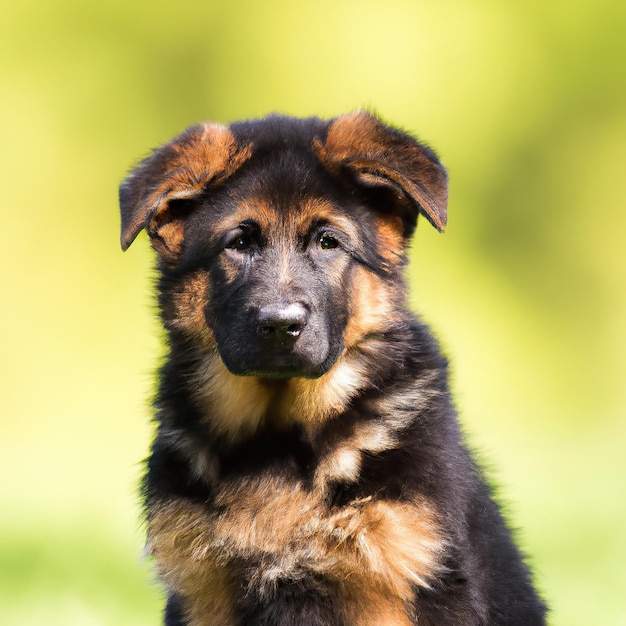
column 375, row 155
column 180, row 170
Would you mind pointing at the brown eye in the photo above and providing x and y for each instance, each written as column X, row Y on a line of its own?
column 245, row 238
column 327, row 242
column 240, row 243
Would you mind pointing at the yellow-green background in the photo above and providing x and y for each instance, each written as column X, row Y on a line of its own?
column 526, row 103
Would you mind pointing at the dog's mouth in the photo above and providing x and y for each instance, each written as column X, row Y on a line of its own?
column 281, row 361
column 289, row 351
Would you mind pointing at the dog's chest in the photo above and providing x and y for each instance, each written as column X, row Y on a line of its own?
column 271, row 530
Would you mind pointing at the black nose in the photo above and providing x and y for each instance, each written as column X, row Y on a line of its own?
column 281, row 324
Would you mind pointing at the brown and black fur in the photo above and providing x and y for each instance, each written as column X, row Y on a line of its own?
column 308, row 468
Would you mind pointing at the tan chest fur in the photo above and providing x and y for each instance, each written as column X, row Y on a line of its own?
column 372, row 553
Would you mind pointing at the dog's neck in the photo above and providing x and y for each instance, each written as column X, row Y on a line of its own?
column 235, row 407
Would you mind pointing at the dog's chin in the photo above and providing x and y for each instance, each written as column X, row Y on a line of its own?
column 276, row 367
column 276, row 370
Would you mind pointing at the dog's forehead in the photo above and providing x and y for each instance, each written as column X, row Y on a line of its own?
column 283, row 185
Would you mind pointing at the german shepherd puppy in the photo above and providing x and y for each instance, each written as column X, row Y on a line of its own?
column 308, row 468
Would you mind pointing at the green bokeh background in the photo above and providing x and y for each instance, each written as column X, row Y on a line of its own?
column 526, row 103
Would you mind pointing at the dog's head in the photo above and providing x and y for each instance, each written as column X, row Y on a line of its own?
column 281, row 240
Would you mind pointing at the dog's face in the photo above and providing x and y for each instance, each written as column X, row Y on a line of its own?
column 280, row 265
column 271, row 233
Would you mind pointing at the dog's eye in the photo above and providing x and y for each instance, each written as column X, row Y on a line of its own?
column 327, row 242
column 240, row 243
column 245, row 238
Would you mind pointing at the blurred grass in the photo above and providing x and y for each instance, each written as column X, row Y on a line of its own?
column 527, row 106
column 82, row 575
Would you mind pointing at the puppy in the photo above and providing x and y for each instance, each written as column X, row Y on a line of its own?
column 308, row 468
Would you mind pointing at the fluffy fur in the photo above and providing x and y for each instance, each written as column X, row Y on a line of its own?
column 308, row 467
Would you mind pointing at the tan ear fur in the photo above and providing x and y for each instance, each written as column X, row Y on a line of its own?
column 203, row 154
column 381, row 156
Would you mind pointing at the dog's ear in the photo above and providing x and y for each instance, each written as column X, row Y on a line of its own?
column 358, row 145
column 180, row 170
